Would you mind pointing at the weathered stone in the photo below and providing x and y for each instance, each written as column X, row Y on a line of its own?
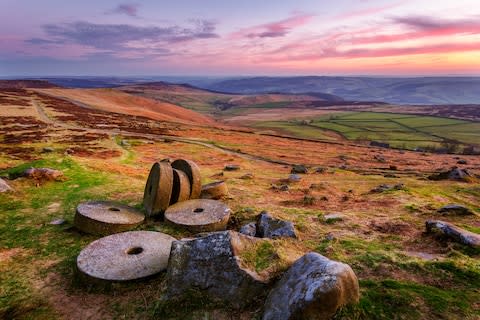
column 333, row 217
column 320, row 170
column 231, row 167
column 455, row 209
column 458, row 234
column 125, row 256
column 462, row 161
column 124, row 143
column 249, row 229
column 247, row 176
column 282, row 187
column 41, row 174
column 48, row 149
column 158, row 189
column 452, row 174
column 211, row 266
column 106, row 217
column 199, row 215
column 314, row 287
column 181, row 187
column 294, row 178
column 57, row 222
column 379, row 144
column 269, row 227
column 299, row 168
column 215, row 190
column 193, row 173
column 4, row 187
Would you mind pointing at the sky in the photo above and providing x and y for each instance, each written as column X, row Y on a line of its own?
column 247, row 37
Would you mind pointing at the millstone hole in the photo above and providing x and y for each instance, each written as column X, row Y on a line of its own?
column 114, row 209
column 197, row 210
column 135, row 250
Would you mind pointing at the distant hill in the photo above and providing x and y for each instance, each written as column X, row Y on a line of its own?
column 427, row 90
column 22, row 84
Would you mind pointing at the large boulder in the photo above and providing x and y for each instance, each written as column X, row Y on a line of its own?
column 457, row 234
column 314, row 287
column 455, row 173
column 211, row 266
column 4, row 187
column 269, row 227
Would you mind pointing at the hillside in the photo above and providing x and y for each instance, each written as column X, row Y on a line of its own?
column 121, row 102
column 433, row 90
column 22, row 84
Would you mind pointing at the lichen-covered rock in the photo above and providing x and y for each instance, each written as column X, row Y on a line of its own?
column 314, row 287
column 455, row 209
column 4, row 187
column 210, row 266
column 269, row 227
column 250, row 229
column 458, row 234
column 41, row 174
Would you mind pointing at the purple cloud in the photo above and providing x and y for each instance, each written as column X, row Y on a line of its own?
column 129, row 9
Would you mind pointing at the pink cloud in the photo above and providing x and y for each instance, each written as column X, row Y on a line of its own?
column 370, row 11
column 274, row 29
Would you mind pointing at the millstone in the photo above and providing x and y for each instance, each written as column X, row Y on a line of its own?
column 193, row 173
column 181, row 187
column 214, row 190
column 126, row 256
column 106, row 217
column 158, row 189
column 199, row 215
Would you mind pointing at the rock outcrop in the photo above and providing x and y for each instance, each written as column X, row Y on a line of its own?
column 269, row 227
column 455, row 209
column 299, row 168
column 458, row 234
column 41, row 174
column 210, row 266
column 455, row 173
column 314, row 287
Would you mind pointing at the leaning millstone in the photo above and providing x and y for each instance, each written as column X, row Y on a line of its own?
column 199, row 215
column 455, row 209
column 250, row 229
column 458, row 234
column 215, row 190
column 4, row 187
column 299, row 168
column 211, row 267
column 125, row 256
column 269, row 227
column 181, row 187
column 193, row 173
column 106, row 217
column 158, row 189
column 314, row 287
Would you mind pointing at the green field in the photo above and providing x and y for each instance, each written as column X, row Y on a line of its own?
column 399, row 130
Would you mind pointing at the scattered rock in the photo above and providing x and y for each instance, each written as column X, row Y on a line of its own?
column 455, row 209
column 379, row 158
column 318, row 186
column 250, row 229
column 387, row 187
column 333, row 217
column 57, row 222
column 309, row 200
column 124, row 143
column 391, row 227
column 458, row 234
column 320, row 170
column 343, row 167
column 314, row 287
column 48, row 150
column 393, row 167
column 210, row 266
column 125, row 256
column 4, row 187
column 390, row 175
column 231, row 167
column 299, row 168
column 269, row 227
column 343, row 157
column 42, row 174
column 215, row 190
column 379, row 144
column 247, row 176
column 294, row 178
column 462, row 161
column 452, row 174
column 282, row 187
column 69, row 151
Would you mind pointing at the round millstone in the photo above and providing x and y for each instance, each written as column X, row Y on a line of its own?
column 126, row 256
column 214, row 190
column 106, row 217
column 199, row 215
column 181, row 187
column 193, row 173
column 158, row 189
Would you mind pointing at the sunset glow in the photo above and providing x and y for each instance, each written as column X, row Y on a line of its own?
column 186, row 37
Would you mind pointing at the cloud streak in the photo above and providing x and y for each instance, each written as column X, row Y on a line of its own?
column 129, row 9
column 274, row 29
